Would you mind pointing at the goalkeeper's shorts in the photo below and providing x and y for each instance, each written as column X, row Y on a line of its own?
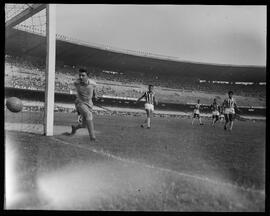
column 85, row 111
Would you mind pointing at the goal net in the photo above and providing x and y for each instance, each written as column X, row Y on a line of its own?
column 27, row 63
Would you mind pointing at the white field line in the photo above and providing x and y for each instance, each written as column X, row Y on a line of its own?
column 201, row 178
column 39, row 129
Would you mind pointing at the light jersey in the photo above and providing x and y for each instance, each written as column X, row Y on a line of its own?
column 149, row 97
column 229, row 105
column 85, row 92
column 197, row 108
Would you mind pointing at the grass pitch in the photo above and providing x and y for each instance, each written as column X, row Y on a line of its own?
column 174, row 166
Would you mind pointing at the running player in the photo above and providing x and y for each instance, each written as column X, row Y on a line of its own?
column 215, row 111
column 229, row 106
column 83, row 103
column 150, row 99
column 80, row 117
column 196, row 112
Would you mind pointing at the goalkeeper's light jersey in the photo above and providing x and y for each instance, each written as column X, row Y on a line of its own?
column 85, row 92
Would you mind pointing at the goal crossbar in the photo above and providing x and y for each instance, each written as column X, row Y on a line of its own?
column 24, row 15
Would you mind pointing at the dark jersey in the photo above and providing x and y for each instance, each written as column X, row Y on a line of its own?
column 215, row 106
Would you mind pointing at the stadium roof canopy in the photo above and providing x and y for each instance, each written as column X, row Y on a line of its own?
column 69, row 52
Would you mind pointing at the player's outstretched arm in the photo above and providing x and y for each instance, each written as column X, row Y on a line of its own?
column 139, row 99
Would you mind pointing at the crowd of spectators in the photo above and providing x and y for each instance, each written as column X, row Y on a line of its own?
column 34, row 83
column 31, row 63
column 25, row 82
column 128, row 93
column 243, row 90
column 188, row 84
column 162, row 80
column 37, row 108
column 28, row 73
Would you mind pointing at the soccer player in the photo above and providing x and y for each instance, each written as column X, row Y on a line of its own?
column 149, row 105
column 86, row 91
column 196, row 113
column 229, row 106
column 215, row 111
column 80, row 117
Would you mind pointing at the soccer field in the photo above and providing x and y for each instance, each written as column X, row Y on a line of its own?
column 174, row 166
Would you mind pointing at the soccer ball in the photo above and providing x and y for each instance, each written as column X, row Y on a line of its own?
column 14, row 104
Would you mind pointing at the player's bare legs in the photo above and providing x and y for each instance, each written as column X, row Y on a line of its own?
column 231, row 125
column 193, row 120
column 226, row 121
column 87, row 122
column 149, row 113
column 200, row 120
column 147, row 121
column 90, row 127
column 213, row 121
column 74, row 128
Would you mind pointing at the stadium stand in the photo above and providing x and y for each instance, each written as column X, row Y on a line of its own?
column 28, row 73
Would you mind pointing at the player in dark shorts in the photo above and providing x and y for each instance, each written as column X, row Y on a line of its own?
column 229, row 106
column 215, row 107
column 84, row 104
column 150, row 101
column 196, row 113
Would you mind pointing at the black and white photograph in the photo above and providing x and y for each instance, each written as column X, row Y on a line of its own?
column 132, row 107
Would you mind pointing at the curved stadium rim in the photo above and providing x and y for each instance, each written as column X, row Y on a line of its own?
column 120, row 50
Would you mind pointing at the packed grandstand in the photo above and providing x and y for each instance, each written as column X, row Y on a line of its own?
column 28, row 73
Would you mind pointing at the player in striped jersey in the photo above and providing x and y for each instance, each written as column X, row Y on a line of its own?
column 229, row 106
column 196, row 112
column 150, row 99
column 215, row 111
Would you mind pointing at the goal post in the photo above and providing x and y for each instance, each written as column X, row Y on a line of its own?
column 50, row 69
column 26, row 18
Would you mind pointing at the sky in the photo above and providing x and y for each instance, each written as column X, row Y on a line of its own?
column 234, row 35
